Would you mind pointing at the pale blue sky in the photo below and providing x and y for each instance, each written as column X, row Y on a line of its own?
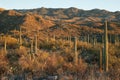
column 111, row 5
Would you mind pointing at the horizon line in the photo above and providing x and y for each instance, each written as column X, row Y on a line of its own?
column 58, row 8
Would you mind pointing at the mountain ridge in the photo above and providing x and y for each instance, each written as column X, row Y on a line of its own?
column 55, row 20
column 68, row 13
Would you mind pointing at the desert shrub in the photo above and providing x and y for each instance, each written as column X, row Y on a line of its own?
column 90, row 55
column 47, row 45
column 52, row 44
column 81, row 45
column 3, row 63
column 114, row 63
column 54, row 62
column 3, row 70
column 13, row 58
column 12, row 43
column 67, row 54
column 22, row 51
column 34, row 62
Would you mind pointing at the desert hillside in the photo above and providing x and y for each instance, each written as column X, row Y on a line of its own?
column 48, row 18
column 70, row 43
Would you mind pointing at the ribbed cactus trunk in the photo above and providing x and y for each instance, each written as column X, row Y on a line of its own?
column 118, row 40
column 115, row 40
column 35, row 44
column 20, row 38
column 103, row 58
column 106, row 46
column 94, row 41
column 70, row 41
column 100, row 60
column 5, row 45
column 75, row 49
column 88, row 38
column 31, row 47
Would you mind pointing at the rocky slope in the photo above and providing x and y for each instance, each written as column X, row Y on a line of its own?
column 60, row 22
column 10, row 20
column 62, row 13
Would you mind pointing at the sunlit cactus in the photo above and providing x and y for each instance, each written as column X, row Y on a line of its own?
column 31, row 47
column 75, row 49
column 20, row 38
column 70, row 41
column 35, row 44
column 106, row 46
column 5, row 45
column 100, row 59
column 94, row 40
column 88, row 38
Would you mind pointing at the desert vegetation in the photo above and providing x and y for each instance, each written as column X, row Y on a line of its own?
column 36, row 48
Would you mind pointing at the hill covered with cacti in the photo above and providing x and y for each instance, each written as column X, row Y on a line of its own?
column 69, row 43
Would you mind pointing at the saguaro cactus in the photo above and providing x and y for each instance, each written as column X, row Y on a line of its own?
column 75, row 49
column 70, row 41
column 20, row 38
column 88, row 38
column 100, row 60
column 5, row 45
column 94, row 40
column 31, row 48
column 106, row 47
column 35, row 44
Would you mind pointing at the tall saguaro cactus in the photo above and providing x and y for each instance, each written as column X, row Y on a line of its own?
column 5, row 45
column 35, row 44
column 106, row 47
column 88, row 38
column 70, row 41
column 31, row 48
column 20, row 37
column 75, row 49
column 100, row 60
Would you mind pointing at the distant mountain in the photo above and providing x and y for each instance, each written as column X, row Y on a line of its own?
column 67, row 13
column 59, row 21
column 10, row 19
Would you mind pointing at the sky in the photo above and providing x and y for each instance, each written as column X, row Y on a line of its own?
column 110, row 5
